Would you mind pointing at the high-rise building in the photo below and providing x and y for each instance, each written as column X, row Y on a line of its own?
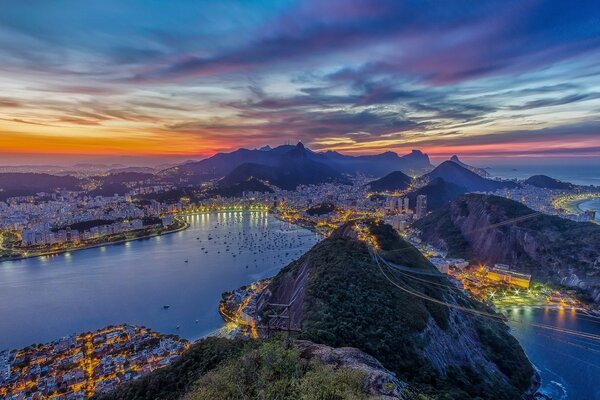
column 421, row 207
column 406, row 207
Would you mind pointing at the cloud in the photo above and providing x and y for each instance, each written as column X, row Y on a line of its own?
column 377, row 74
column 549, row 102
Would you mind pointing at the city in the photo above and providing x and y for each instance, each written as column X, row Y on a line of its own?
column 77, row 366
column 299, row 200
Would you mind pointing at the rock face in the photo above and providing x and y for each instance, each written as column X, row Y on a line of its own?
column 338, row 297
column 478, row 171
column 379, row 382
column 551, row 248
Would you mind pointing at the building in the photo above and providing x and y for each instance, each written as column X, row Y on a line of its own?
column 421, row 207
column 406, row 207
column 502, row 273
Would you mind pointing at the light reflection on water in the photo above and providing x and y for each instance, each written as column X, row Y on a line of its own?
column 567, row 364
column 42, row 299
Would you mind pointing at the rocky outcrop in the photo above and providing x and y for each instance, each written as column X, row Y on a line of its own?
column 378, row 382
column 477, row 170
column 338, row 297
column 493, row 229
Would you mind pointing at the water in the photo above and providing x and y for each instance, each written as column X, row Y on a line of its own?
column 577, row 170
column 569, row 365
column 42, row 299
column 591, row 204
column 580, row 174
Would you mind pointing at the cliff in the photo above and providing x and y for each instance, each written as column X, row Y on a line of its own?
column 551, row 248
column 340, row 298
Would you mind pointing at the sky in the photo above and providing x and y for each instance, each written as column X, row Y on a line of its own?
column 159, row 81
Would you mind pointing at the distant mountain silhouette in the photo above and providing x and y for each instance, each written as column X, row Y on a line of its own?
column 543, row 181
column 26, row 184
column 293, row 168
column 439, row 193
column 378, row 165
column 478, row 171
column 118, row 183
column 222, row 164
column 452, row 172
column 396, row 180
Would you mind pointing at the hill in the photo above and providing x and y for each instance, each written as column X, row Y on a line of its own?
column 222, row 369
column 454, row 173
column 233, row 189
column 439, row 193
column 118, row 183
column 293, row 168
column 339, row 298
column 543, row 181
column 321, row 209
column 26, row 184
column 549, row 247
column 393, row 181
column 222, row 164
column 479, row 171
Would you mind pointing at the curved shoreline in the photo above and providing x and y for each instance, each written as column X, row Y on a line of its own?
column 96, row 245
column 574, row 205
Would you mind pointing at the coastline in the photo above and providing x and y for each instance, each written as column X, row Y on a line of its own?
column 574, row 206
column 96, row 245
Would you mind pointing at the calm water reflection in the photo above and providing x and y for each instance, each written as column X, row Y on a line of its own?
column 42, row 299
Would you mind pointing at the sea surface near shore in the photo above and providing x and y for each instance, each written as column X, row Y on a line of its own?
column 45, row 298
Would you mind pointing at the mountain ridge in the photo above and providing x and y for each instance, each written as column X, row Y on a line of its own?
column 339, row 298
column 551, row 248
column 454, row 173
column 222, row 164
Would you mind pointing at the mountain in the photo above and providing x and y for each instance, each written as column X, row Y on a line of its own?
column 118, row 183
column 479, row 171
column 361, row 337
column 454, row 173
column 294, row 167
column 340, row 297
column 237, row 189
column 222, row 369
column 145, row 170
column 550, row 248
column 545, row 182
column 27, row 184
column 393, row 181
column 414, row 163
column 439, row 193
column 222, row 164
column 321, row 209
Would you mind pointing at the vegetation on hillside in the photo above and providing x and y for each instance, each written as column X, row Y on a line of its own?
column 321, row 209
column 177, row 379
column 275, row 371
column 349, row 303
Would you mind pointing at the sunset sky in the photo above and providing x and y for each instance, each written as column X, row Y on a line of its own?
column 175, row 80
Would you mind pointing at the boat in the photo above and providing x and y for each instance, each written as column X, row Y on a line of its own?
column 166, row 306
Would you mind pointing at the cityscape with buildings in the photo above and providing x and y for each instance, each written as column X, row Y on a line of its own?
column 299, row 200
column 77, row 366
